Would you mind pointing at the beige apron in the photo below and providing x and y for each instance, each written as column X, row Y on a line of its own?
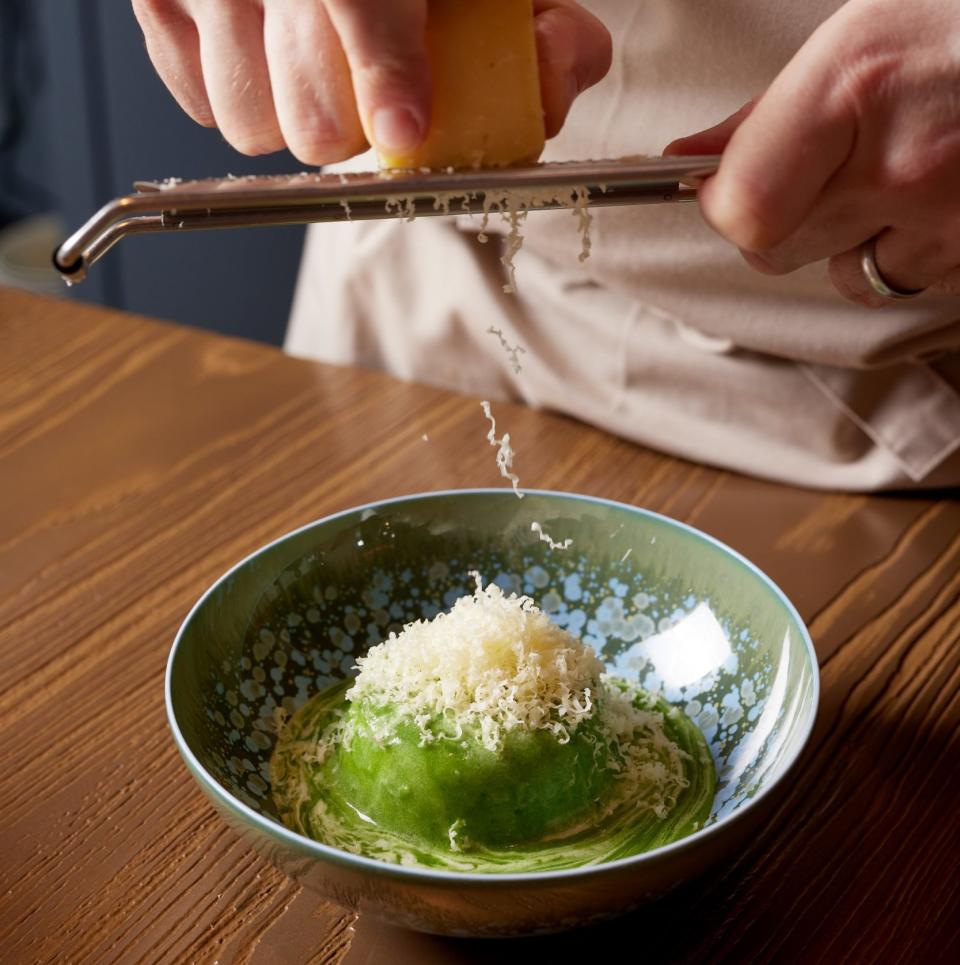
column 663, row 336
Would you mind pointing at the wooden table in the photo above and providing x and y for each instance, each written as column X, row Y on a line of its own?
column 139, row 460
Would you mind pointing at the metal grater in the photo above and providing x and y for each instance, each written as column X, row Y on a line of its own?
column 306, row 198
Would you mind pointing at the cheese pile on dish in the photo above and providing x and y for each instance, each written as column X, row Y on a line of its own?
column 493, row 664
column 490, row 726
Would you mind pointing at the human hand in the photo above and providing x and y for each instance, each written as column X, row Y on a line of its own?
column 858, row 137
column 325, row 77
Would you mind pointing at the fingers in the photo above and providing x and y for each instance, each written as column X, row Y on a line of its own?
column 950, row 283
column 846, row 273
column 385, row 46
column 848, row 145
column 714, row 139
column 798, row 135
column 236, row 76
column 574, row 51
column 906, row 262
column 325, row 76
column 173, row 46
column 312, row 92
column 839, row 220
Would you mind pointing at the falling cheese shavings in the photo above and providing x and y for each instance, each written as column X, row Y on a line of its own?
column 346, row 209
column 545, row 538
column 513, row 206
column 505, row 452
column 513, row 351
column 623, row 559
column 425, row 437
column 512, row 245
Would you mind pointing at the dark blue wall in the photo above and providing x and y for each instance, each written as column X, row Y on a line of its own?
column 107, row 121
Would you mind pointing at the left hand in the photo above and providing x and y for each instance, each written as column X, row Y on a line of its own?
column 324, row 77
column 859, row 136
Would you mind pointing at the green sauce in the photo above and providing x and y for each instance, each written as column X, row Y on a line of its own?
column 361, row 778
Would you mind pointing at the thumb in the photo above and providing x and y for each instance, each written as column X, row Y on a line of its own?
column 714, row 139
column 385, row 46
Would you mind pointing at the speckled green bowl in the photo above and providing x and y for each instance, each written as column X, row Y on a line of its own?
column 660, row 601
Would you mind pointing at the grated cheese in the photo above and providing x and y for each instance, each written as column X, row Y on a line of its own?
column 492, row 664
column 495, row 664
column 453, row 833
column 505, row 451
column 583, row 214
column 513, row 206
column 404, row 207
column 513, row 351
column 545, row 538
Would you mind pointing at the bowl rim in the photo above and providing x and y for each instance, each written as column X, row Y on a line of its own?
column 360, row 863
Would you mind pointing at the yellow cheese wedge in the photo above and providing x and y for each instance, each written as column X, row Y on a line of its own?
column 486, row 88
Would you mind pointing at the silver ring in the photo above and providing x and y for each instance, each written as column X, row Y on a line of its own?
column 868, row 263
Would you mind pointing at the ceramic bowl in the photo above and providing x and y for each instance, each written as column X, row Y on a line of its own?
column 661, row 603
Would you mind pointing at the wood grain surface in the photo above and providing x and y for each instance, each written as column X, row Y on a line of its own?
column 138, row 461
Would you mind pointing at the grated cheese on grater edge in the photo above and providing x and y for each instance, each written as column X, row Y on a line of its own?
column 513, row 206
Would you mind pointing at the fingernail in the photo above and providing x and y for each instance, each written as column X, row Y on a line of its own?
column 396, row 128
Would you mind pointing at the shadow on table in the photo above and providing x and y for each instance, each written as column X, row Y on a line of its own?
column 660, row 932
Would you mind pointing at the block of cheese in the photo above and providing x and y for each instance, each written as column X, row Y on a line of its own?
column 486, row 87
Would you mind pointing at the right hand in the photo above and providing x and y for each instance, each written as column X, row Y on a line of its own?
column 325, row 78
